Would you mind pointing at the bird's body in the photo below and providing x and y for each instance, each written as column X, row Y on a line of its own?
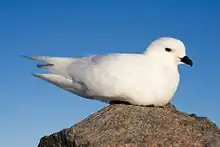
column 117, row 77
column 150, row 78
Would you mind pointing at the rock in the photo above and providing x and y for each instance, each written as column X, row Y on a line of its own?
column 127, row 125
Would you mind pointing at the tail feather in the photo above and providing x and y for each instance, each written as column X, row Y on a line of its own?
column 44, row 65
column 57, row 80
column 51, row 60
column 55, row 65
column 62, row 82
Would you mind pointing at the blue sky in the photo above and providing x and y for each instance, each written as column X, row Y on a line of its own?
column 31, row 108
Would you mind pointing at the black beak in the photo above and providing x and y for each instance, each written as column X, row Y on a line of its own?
column 187, row 60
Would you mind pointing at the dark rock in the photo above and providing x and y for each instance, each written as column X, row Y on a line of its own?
column 128, row 125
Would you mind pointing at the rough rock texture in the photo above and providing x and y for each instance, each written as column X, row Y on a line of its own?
column 127, row 125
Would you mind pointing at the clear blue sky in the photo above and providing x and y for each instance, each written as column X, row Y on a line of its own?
column 31, row 108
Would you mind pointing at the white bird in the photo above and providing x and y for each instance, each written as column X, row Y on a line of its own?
column 149, row 78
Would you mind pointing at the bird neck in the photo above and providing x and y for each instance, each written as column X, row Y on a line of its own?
column 165, row 60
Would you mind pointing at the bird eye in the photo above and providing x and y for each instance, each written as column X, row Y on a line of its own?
column 168, row 49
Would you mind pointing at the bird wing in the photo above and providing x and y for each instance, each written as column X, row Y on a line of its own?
column 93, row 76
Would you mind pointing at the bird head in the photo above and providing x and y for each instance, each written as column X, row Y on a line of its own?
column 167, row 48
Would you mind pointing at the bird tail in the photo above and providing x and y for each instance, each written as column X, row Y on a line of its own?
column 62, row 82
column 57, row 80
column 51, row 60
column 54, row 64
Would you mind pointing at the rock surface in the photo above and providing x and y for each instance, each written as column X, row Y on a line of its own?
column 127, row 125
